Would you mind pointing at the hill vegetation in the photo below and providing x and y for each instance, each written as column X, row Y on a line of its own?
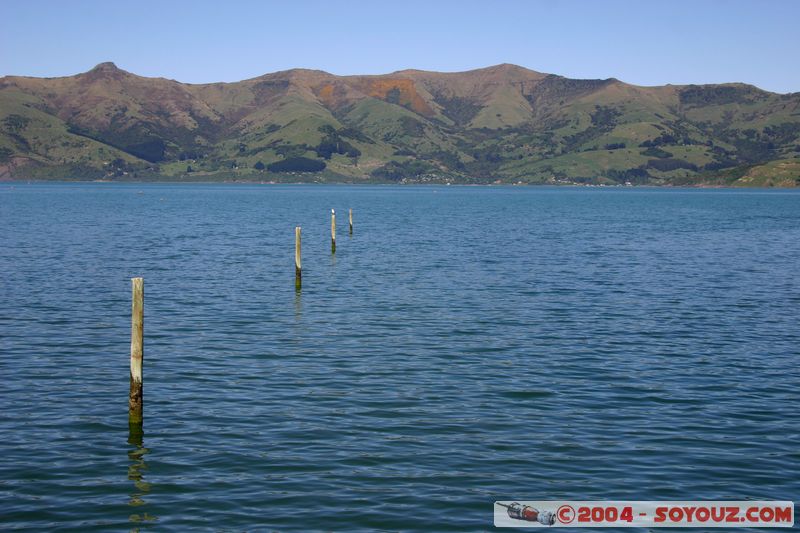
column 501, row 124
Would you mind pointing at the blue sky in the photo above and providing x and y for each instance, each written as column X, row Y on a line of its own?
column 641, row 42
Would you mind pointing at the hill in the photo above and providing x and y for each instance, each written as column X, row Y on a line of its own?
column 499, row 124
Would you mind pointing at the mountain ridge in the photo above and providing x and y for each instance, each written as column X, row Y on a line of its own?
column 503, row 123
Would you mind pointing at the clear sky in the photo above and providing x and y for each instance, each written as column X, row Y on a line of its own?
column 642, row 42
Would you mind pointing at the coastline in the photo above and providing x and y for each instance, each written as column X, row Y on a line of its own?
column 530, row 186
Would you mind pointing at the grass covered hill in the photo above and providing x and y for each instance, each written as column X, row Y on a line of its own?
column 502, row 124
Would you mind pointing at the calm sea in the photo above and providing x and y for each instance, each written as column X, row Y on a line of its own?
column 464, row 345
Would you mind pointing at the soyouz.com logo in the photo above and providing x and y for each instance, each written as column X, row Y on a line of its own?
column 563, row 513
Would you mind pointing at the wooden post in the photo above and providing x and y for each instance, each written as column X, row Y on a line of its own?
column 351, row 221
column 298, row 264
column 333, row 231
column 135, row 400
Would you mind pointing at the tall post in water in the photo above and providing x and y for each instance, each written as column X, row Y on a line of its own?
column 351, row 221
column 135, row 400
column 298, row 263
column 333, row 231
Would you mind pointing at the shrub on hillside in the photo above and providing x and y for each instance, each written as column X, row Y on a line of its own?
column 655, row 151
column 666, row 165
column 297, row 164
column 395, row 171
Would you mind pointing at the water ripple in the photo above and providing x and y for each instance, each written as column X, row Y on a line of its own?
column 464, row 345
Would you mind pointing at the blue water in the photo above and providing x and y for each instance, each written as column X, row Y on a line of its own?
column 464, row 345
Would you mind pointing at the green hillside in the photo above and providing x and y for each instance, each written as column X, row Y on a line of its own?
column 503, row 124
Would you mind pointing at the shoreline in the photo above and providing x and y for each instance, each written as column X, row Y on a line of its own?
column 386, row 184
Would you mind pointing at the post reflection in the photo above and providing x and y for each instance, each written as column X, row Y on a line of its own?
column 136, row 473
column 298, row 303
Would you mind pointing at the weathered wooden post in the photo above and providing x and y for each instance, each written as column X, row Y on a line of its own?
column 135, row 400
column 351, row 221
column 298, row 264
column 333, row 231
